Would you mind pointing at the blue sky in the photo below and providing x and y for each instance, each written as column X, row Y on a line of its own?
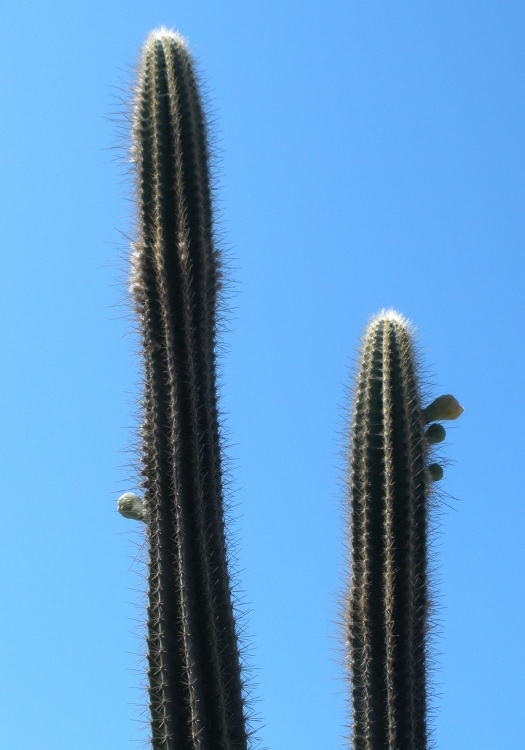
column 371, row 154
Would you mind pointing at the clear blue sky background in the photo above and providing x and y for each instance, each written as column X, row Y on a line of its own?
column 372, row 155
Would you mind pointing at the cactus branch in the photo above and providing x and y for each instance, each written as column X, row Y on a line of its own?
column 387, row 609
column 194, row 673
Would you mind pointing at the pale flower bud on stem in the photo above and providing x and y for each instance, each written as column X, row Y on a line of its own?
column 130, row 505
column 443, row 407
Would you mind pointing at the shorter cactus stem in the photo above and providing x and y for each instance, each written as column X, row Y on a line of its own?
column 390, row 481
column 388, row 600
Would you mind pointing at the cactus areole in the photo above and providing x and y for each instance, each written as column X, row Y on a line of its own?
column 387, row 609
column 194, row 674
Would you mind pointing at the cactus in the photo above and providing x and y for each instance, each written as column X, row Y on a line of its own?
column 387, row 611
column 196, row 696
column 195, row 682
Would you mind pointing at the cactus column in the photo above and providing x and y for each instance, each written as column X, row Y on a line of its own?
column 387, row 612
column 195, row 686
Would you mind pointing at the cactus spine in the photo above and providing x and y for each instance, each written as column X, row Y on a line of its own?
column 194, row 673
column 388, row 604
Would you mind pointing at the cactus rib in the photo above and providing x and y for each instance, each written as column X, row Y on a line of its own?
column 194, row 668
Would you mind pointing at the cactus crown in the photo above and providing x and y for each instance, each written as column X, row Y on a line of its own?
column 171, row 153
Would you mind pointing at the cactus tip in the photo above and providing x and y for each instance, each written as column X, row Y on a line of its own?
column 164, row 33
column 388, row 313
column 130, row 505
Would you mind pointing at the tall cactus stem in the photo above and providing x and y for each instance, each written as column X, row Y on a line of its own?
column 194, row 667
column 388, row 602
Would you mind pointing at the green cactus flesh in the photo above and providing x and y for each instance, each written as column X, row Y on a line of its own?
column 194, row 673
column 388, row 602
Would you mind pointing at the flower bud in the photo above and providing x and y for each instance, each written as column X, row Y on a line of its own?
column 130, row 506
column 435, row 433
column 435, row 472
column 443, row 407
